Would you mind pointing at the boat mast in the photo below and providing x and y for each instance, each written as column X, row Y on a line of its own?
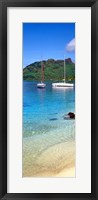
column 42, row 71
column 64, row 68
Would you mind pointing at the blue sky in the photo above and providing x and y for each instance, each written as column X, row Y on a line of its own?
column 48, row 40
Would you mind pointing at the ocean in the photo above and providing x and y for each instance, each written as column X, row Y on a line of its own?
column 48, row 139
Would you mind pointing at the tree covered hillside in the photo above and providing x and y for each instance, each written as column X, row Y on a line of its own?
column 53, row 70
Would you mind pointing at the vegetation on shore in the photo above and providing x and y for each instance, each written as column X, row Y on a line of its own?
column 53, row 70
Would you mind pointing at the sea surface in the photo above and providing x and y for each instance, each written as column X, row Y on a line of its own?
column 48, row 139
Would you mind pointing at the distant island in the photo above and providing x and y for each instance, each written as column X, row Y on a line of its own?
column 53, row 70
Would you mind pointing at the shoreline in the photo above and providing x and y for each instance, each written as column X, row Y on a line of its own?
column 57, row 160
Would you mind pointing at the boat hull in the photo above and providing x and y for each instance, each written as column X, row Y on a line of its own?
column 41, row 85
column 62, row 85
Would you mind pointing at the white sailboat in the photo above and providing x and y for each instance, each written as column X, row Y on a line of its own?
column 63, row 84
column 42, row 84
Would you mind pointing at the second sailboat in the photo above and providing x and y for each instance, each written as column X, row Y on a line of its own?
column 42, row 84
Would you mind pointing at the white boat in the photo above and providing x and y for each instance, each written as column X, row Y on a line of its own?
column 42, row 84
column 62, row 84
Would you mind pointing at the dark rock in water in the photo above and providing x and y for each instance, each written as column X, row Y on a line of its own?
column 26, row 105
column 70, row 115
column 52, row 119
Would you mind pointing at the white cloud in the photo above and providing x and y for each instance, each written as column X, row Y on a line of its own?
column 71, row 45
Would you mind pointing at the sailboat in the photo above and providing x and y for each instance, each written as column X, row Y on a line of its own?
column 42, row 84
column 63, row 84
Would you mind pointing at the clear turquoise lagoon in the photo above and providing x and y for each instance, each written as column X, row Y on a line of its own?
column 44, row 129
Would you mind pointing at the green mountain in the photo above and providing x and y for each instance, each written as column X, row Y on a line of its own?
column 53, row 70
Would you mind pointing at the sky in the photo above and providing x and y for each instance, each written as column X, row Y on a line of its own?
column 42, row 41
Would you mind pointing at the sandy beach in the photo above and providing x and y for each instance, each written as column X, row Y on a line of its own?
column 57, row 160
column 67, row 172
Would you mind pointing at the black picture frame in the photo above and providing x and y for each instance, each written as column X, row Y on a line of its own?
column 4, row 4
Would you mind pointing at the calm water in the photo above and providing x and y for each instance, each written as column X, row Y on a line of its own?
column 44, row 109
column 45, row 132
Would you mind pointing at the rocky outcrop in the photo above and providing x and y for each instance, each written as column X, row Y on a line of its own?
column 68, row 61
column 51, row 60
column 70, row 115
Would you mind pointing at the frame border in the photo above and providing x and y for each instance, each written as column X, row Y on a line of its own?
column 3, row 97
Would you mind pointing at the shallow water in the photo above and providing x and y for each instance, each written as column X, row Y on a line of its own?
column 48, row 139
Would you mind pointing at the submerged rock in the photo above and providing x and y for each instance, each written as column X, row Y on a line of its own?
column 52, row 119
column 70, row 115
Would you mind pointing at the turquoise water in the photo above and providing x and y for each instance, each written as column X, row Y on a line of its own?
column 48, row 139
column 43, row 109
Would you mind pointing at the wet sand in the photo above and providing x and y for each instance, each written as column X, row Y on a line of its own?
column 55, row 160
